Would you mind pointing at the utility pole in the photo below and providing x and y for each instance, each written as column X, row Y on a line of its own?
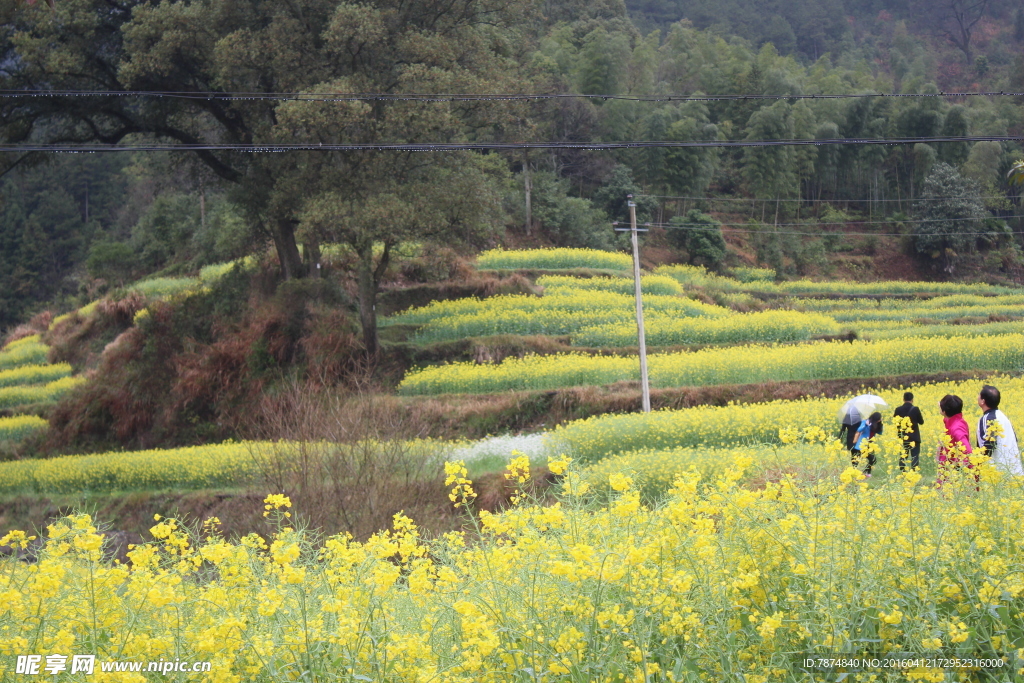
column 529, row 192
column 645, row 386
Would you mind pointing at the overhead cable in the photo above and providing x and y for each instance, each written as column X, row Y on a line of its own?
column 479, row 146
column 768, row 228
column 748, row 200
column 466, row 97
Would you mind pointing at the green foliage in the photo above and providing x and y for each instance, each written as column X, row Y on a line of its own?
column 603, row 62
column 572, row 221
column 769, row 171
column 52, row 220
column 112, row 261
column 955, row 124
column 688, row 170
column 611, row 197
column 954, row 217
column 44, row 229
column 701, row 236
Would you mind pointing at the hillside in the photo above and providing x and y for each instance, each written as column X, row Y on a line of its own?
column 328, row 367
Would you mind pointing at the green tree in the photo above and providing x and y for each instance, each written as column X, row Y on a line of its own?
column 374, row 203
column 952, row 217
column 112, row 261
column 770, row 172
column 701, row 236
column 956, row 123
column 569, row 221
column 604, row 63
column 611, row 197
column 689, row 170
column 390, row 46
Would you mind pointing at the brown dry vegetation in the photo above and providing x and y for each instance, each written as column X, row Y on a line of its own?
column 352, row 467
column 191, row 369
column 82, row 340
column 37, row 325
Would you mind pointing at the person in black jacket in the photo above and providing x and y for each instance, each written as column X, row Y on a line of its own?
column 911, row 445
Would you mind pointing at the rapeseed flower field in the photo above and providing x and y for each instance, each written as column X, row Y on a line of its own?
column 649, row 284
column 600, row 311
column 712, row 427
column 764, row 326
column 22, row 352
column 229, row 464
column 194, row 467
column 22, row 395
column 653, row 471
column 18, row 427
column 34, row 374
column 563, row 311
column 894, row 329
column 553, row 259
column 718, row 582
column 706, row 544
column 729, row 365
column 700, row 277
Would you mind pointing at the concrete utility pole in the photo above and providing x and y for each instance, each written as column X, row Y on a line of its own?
column 642, row 341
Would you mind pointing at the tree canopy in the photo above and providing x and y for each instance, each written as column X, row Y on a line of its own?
column 219, row 203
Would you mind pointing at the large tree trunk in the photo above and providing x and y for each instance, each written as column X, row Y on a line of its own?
column 288, row 251
column 368, row 280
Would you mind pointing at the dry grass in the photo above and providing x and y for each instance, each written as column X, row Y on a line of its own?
column 348, row 464
column 495, row 491
column 39, row 324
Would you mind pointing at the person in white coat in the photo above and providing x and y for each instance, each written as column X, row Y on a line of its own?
column 1001, row 447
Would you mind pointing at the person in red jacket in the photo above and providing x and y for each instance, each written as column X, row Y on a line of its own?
column 955, row 456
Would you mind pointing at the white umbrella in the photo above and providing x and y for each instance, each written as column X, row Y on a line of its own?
column 859, row 408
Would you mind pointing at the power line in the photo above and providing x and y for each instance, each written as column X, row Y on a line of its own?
column 767, row 230
column 911, row 220
column 465, row 97
column 476, row 146
column 807, row 201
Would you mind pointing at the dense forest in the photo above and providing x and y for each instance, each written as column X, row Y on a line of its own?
column 72, row 226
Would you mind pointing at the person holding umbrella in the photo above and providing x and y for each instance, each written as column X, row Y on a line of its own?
column 866, row 431
column 854, row 412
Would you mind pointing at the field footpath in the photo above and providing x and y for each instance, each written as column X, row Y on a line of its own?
column 476, row 416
